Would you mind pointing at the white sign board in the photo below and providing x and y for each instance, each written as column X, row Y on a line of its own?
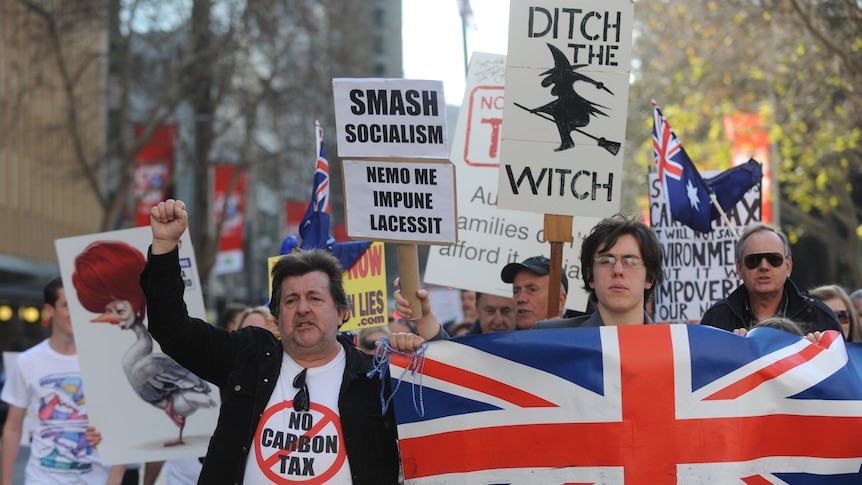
column 390, row 118
column 700, row 269
column 400, row 201
column 567, row 79
column 490, row 237
column 114, row 359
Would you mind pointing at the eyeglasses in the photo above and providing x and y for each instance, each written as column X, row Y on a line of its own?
column 843, row 316
column 628, row 262
column 301, row 401
column 752, row 260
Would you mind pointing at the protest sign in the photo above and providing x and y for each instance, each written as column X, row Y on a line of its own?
column 115, row 363
column 390, row 118
column 400, row 201
column 567, row 77
column 396, row 119
column 491, row 237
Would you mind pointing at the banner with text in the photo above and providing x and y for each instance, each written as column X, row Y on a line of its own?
column 378, row 117
column 700, row 269
column 567, row 81
column 490, row 237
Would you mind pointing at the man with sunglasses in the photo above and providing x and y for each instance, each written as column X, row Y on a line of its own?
column 763, row 262
column 621, row 266
column 299, row 409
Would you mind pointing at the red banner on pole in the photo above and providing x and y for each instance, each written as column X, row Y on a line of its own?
column 153, row 167
column 230, row 255
column 749, row 138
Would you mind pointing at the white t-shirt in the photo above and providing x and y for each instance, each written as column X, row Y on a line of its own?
column 182, row 471
column 301, row 447
column 48, row 385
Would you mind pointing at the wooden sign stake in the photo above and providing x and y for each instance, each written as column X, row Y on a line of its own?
column 408, row 275
column 558, row 230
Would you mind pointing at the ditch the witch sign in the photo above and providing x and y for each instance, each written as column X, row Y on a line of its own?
column 567, row 77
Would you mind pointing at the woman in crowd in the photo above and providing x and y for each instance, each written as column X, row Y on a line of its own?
column 836, row 298
column 259, row 316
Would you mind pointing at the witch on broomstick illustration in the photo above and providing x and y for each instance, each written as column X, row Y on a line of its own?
column 570, row 111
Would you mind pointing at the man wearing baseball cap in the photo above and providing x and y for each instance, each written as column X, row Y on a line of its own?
column 530, row 289
column 530, row 282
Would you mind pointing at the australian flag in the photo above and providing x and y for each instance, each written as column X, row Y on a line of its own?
column 314, row 228
column 687, row 193
column 645, row 404
column 731, row 185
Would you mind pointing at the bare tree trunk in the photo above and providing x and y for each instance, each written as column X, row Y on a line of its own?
column 204, row 110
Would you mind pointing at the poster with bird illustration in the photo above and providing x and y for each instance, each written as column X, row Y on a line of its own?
column 146, row 406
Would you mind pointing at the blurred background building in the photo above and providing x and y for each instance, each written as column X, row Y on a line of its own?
column 90, row 93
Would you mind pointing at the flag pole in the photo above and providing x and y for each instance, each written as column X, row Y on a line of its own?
column 715, row 203
column 724, row 217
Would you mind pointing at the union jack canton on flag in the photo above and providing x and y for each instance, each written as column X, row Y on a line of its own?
column 685, row 190
column 645, row 405
column 314, row 228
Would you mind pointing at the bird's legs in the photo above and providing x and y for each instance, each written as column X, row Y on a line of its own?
column 178, row 420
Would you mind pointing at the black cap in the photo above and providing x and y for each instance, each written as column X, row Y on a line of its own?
column 539, row 265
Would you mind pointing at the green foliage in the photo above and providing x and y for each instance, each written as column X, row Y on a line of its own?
column 797, row 64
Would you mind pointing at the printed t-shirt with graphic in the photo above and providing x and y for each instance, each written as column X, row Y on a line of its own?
column 48, row 384
column 301, row 447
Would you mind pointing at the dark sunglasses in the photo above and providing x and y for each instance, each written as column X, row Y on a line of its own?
column 753, row 260
column 300, row 401
column 843, row 316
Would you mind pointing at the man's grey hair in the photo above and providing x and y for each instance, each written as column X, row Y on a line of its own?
column 758, row 227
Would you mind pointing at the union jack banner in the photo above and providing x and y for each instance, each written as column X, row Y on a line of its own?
column 646, row 404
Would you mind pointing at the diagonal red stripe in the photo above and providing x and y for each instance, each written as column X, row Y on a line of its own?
column 477, row 382
column 765, row 374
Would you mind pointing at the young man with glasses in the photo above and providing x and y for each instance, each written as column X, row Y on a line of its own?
column 764, row 263
column 621, row 266
column 293, row 410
